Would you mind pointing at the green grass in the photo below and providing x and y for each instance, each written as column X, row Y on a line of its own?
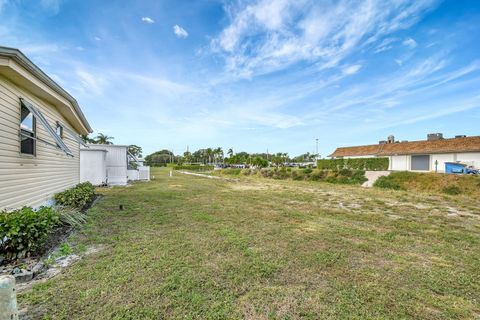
column 192, row 248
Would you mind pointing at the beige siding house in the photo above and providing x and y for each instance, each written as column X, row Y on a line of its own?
column 40, row 124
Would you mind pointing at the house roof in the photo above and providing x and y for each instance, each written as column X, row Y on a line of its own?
column 22, row 60
column 464, row 144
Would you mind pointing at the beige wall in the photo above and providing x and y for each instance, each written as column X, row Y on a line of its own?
column 27, row 180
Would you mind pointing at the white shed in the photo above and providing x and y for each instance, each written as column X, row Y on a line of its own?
column 116, row 162
column 93, row 166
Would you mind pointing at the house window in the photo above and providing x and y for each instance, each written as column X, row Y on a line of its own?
column 59, row 130
column 27, row 132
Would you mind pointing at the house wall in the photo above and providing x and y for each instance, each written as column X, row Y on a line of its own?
column 27, row 180
column 116, row 161
column 93, row 166
column 403, row 162
column 472, row 158
column 399, row 163
column 441, row 158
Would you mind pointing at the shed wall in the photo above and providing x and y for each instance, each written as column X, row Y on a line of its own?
column 93, row 166
column 116, row 162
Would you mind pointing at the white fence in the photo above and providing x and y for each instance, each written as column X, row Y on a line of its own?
column 144, row 173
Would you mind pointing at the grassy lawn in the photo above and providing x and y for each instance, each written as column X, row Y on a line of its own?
column 194, row 248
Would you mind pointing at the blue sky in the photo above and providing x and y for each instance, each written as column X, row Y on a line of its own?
column 258, row 75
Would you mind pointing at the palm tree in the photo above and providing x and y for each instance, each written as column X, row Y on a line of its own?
column 230, row 152
column 103, row 139
column 218, row 153
column 87, row 139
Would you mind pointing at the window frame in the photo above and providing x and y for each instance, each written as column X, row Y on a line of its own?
column 33, row 133
column 61, row 133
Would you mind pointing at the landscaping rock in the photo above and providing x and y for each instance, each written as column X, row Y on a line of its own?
column 23, row 276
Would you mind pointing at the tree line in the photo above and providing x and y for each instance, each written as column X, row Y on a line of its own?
column 215, row 156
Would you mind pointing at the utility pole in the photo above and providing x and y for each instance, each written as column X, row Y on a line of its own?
column 316, row 150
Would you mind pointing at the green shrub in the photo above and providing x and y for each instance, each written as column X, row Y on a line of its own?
column 371, row 164
column 266, row 173
column 452, row 190
column 76, row 197
column 193, row 167
column 231, row 171
column 307, row 170
column 23, row 231
column 281, row 173
column 387, row 182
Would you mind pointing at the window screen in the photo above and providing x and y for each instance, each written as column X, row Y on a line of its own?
column 27, row 131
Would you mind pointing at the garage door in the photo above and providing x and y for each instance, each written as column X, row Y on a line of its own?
column 421, row 163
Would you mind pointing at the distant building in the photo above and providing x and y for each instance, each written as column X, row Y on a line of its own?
column 424, row 155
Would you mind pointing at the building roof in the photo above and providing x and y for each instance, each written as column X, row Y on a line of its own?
column 463, row 144
column 26, row 63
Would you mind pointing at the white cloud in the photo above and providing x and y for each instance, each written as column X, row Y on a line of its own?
column 351, row 69
column 267, row 36
column 91, row 83
column 385, row 45
column 148, row 20
column 409, row 42
column 97, row 38
column 179, row 31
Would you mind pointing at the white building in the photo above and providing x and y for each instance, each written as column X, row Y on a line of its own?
column 109, row 164
column 424, row 155
column 40, row 124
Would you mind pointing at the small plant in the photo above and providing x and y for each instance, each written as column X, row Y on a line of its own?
column 23, row 231
column 452, row 190
column 76, row 197
column 65, row 249
column 71, row 216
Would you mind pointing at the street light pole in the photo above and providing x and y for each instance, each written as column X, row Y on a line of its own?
column 316, row 150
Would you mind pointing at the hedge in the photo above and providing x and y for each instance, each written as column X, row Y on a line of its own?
column 76, row 197
column 370, row 164
column 193, row 167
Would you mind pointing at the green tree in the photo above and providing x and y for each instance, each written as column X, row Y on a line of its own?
column 103, row 139
column 87, row 139
column 135, row 150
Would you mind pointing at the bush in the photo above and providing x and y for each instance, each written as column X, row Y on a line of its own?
column 23, row 231
column 76, row 197
column 387, row 182
column 266, row 173
column 452, row 190
column 371, row 164
column 193, row 167
column 307, row 170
